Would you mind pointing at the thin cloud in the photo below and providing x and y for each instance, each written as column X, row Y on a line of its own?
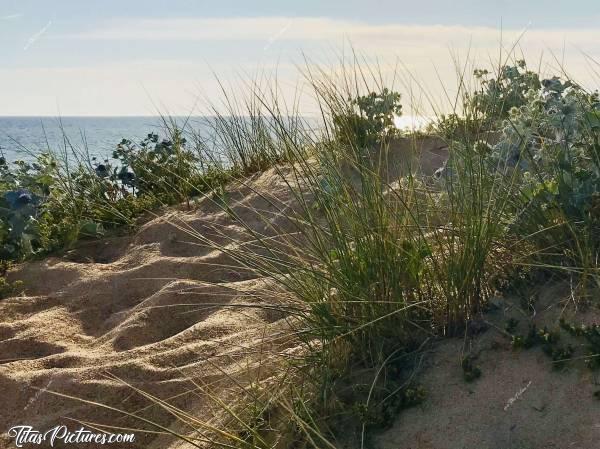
column 409, row 42
column 423, row 54
column 270, row 29
column 33, row 39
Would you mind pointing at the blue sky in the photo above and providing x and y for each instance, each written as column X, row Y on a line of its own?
column 128, row 57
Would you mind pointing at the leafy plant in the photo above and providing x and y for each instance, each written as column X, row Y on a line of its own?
column 47, row 205
column 23, row 192
column 164, row 168
column 591, row 334
column 509, row 89
column 368, row 119
column 552, row 142
column 484, row 110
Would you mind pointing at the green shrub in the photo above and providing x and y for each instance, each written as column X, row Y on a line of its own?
column 49, row 204
column 365, row 120
column 164, row 168
column 485, row 109
column 553, row 143
column 24, row 190
column 509, row 89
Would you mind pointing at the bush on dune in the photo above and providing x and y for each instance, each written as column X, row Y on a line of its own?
column 378, row 267
column 382, row 267
column 50, row 203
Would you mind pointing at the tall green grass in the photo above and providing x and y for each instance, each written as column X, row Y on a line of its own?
column 375, row 263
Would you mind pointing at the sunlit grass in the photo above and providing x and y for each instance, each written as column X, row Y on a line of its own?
column 370, row 265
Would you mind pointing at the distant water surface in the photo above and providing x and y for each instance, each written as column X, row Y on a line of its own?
column 20, row 136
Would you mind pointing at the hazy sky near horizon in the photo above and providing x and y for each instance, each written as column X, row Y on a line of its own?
column 130, row 57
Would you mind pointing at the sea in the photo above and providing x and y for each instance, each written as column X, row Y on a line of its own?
column 23, row 137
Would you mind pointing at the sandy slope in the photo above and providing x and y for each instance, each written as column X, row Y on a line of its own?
column 157, row 310
column 154, row 310
column 520, row 402
column 161, row 311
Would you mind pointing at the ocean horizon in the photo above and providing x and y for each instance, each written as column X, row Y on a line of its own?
column 21, row 137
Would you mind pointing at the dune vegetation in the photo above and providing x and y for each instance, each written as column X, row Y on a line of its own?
column 372, row 252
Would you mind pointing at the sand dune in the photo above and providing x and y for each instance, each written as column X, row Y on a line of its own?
column 157, row 310
column 522, row 400
column 163, row 312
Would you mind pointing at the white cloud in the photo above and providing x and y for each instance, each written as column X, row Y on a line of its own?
column 416, row 46
column 424, row 51
column 320, row 28
column 133, row 88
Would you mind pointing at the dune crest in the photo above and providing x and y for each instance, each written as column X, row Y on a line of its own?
column 158, row 310
column 161, row 311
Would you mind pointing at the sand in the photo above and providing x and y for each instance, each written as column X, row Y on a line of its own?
column 520, row 401
column 162, row 312
column 156, row 310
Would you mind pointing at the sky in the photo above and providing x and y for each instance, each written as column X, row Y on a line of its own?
column 133, row 57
